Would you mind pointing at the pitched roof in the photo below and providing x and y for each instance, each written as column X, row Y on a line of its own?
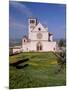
column 41, row 26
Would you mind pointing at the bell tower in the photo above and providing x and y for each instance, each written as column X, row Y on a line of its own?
column 32, row 22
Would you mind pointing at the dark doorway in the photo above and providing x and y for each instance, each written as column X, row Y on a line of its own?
column 39, row 46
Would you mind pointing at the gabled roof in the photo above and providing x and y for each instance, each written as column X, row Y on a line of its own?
column 44, row 25
column 41, row 26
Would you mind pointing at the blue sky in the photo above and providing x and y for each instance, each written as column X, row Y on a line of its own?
column 52, row 15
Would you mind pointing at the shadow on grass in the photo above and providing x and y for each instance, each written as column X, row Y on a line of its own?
column 17, row 64
column 21, row 66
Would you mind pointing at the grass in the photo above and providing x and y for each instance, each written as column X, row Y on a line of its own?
column 40, row 72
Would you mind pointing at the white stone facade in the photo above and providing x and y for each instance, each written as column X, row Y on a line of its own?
column 38, row 39
column 17, row 49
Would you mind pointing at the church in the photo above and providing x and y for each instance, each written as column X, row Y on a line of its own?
column 38, row 39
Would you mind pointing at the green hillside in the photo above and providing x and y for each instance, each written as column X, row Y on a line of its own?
column 41, row 71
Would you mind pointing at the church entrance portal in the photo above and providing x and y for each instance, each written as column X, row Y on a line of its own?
column 39, row 46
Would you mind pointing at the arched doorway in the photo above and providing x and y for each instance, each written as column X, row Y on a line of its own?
column 39, row 46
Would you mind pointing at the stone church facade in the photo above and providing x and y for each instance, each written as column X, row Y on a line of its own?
column 38, row 39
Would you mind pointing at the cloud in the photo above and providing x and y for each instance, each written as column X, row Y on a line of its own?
column 22, row 8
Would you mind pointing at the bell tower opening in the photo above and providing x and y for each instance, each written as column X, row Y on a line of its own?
column 32, row 23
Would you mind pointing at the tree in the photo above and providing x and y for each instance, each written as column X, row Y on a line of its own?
column 62, row 43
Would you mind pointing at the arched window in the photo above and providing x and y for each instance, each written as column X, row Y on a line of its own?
column 24, row 40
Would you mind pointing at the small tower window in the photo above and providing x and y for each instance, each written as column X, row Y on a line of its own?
column 39, row 29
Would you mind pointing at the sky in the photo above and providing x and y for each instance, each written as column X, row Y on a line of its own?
column 52, row 15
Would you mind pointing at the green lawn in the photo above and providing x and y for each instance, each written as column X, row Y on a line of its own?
column 40, row 72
